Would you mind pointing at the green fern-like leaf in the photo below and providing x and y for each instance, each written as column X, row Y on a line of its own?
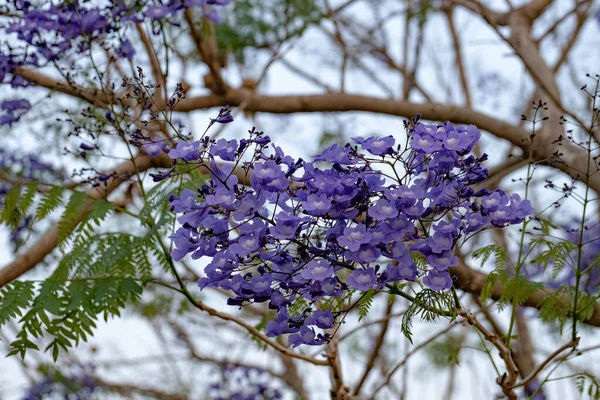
column 14, row 299
column 66, row 311
column 555, row 254
column 28, row 197
column 584, row 379
column 49, row 202
column 70, row 217
column 499, row 254
column 429, row 305
column 365, row 303
column 518, row 289
column 157, row 200
column 100, row 210
column 488, row 287
column 11, row 214
column 419, row 260
column 546, row 225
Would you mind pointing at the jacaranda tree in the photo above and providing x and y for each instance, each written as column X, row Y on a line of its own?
column 454, row 224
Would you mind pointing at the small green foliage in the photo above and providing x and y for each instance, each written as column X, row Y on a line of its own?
column 584, row 379
column 158, row 305
column 14, row 299
column 157, row 200
column 298, row 307
column 98, row 277
column 27, row 198
column 556, row 308
column 336, row 303
column 499, row 254
column 365, row 303
column 518, row 289
column 444, row 352
column 265, row 24
column 555, row 254
column 488, row 288
column 11, row 214
column 50, row 201
column 70, row 217
column 262, row 324
column 546, row 225
column 100, row 210
column 419, row 260
column 66, row 311
column 429, row 305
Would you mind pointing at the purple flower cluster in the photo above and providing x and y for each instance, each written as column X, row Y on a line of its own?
column 299, row 232
column 12, row 110
column 49, row 31
column 243, row 383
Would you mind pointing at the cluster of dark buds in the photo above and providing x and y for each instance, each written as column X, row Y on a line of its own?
column 356, row 218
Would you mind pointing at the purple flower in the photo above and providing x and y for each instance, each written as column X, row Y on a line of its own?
column 157, row 12
column 245, row 245
column 383, row 210
column 317, row 204
column 222, row 197
column 260, row 285
column 354, row 236
column 225, row 149
column 288, row 237
column 224, row 116
column 456, row 141
column 305, row 336
column 362, row 279
column 269, row 176
column 438, row 280
column 493, row 201
column 425, row 143
column 283, row 324
column 154, row 149
column 520, row 208
column 402, row 271
column 451, row 227
column 440, row 241
column 15, row 105
column 286, row 226
column 442, row 261
column 318, row 270
column 336, row 154
column 475, row 221
column 186, row 151
column 377, row 145
column 161, row 176
column 404, row 192
column 322, row 319
column 184, row 243
column 126, row 50
column 184, row 202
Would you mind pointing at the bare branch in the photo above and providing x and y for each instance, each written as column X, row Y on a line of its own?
column 376, row 348
column 539, row 368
